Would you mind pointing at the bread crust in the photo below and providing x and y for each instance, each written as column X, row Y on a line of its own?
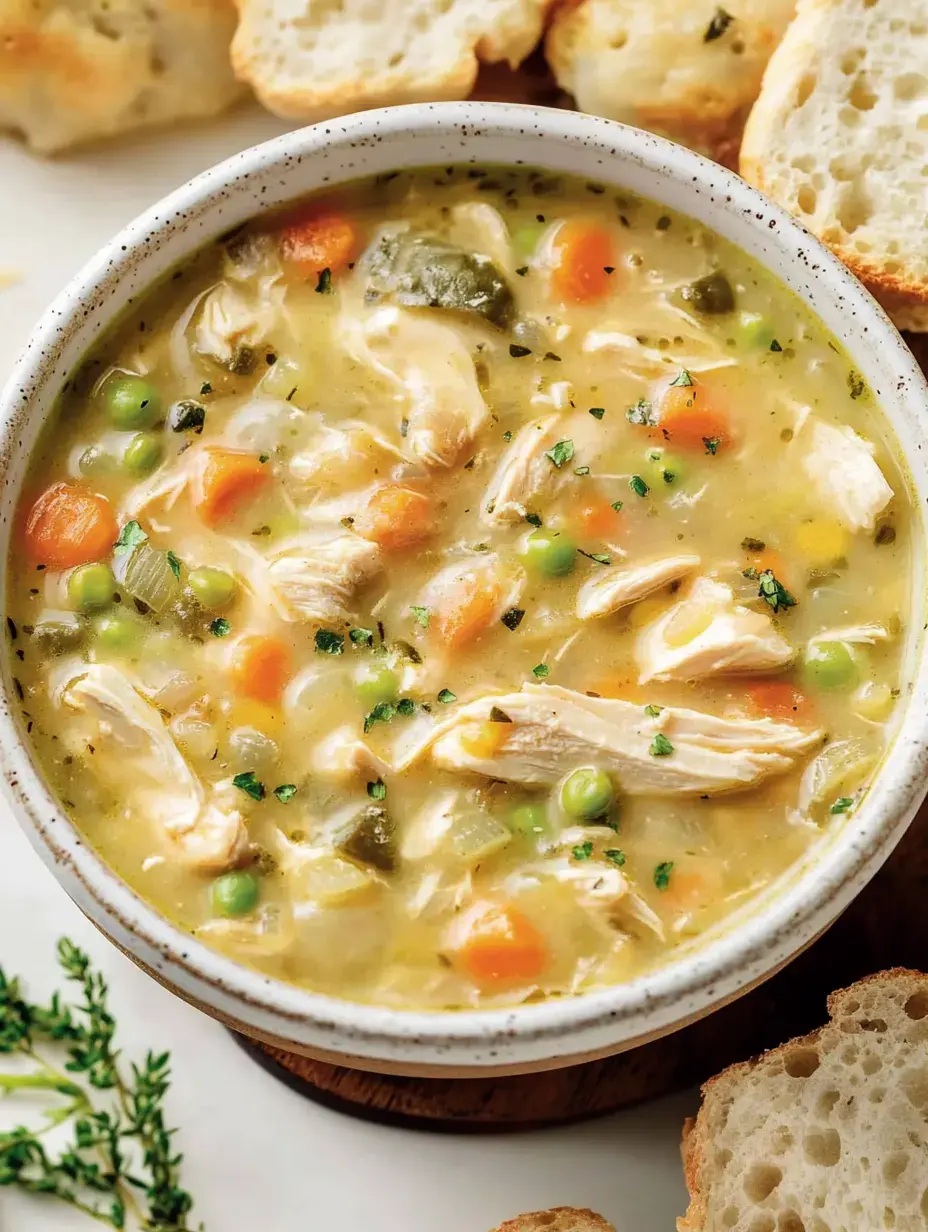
column 558, row 1219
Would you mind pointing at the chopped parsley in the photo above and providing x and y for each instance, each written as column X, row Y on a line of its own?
column 581, row 470
column 422, row 615
column 507, row 436
column 519, row 352
column 774, row 592
column 129, row 539
column 249, row 783
column 329, row 642
column 404, row 427
column 843, row 804
column 712, row 444
column 653, row 711
column 583, row 851
column 264, row 457
column 718, row 25
column 753, row 545
column 638, row 486
column 499, row 716
column 540, row 671
column 383, row 712
column 855, row 384
column 522, row 271
column 775, row 347
column 533, row 519
column 406, row 707
column 174, row 563
column 205, row 388
column 324, row 285
column 445, row 696
column 285, row 792
column 377, row 790
column 616, row 856
column 361, row 637
column 617, row 506
column 560, row 453
column 597, row 411
column 682, row 378
column 220, row 627
column 660, row 746
column 641, row 413
column 599, row 557
column 513, row 618
column 662, row 873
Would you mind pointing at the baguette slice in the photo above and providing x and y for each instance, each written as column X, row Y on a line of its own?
column 313, row 59
column 688, row 69
column 560, row 1219
column 839, row 135
column 828, row 1132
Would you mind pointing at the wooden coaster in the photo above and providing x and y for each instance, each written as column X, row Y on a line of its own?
column 887, row 926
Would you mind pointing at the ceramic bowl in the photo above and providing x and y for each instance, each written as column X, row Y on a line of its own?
column 801, row 904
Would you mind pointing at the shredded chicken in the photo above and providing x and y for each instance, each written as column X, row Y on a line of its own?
column 608, row 590
column 856, row 635
column 551, row 731
column 233, row 318
column 843, row 472
column 342, row 756
column 479, row 228
column 524, row 473
column 706, row 633
column 204, row 826
column 317, row 574
column 345, row 458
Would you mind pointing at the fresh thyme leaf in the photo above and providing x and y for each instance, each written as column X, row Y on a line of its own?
column 660, row 746
column 445, row 696
column 499, row 716
column 638, row 486
column 541, row 671
column 682, row 378
column 220, row 627
column 662, row 873
column 718, row 25
column 361, row 637
column 583, row 851
column 599, row 557
column 329, row 642
column 174, row 563
column 712, row 444
column 249, row 783
column 513, row 618
column 641, row 413
column 285, row 792
column 615, row 855
column 130, row 537
column 774, row 592
column 653, row 711
column 324, row 285
column 560, row 453
column 377, row 790
column 421, row 614
column 597, row 411
column 843, row 804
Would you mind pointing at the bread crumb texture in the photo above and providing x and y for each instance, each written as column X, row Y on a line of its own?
column 828, row 1133
column 559, row 1219
column 839, row 135
column 314, row 59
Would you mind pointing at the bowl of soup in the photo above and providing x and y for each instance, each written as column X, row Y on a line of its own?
column 464, row 588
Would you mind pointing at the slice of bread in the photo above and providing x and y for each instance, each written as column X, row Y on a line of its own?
column 560, row 1219
column 688, row 69
column 828, row 1133
column 839, row 135
column 313, row 59
column 73, row 71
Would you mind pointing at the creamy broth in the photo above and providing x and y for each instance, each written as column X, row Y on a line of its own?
column 509, row 584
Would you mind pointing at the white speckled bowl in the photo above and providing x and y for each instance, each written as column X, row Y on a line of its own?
column 767, row 935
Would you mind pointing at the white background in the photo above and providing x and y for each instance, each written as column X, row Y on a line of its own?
column 258, row 1157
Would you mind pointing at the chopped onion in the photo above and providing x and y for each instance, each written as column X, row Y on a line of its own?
column 147, row 576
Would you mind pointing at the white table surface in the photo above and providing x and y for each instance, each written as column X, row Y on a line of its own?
column 258, row 1157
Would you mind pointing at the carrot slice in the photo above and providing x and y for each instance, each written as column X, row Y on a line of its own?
column 502, row 947
column 779, row 700
column 397, row 517
column 319, row 239
column 583, row 253
column 474, row 610
column 261, row 668
column 597, row 519
column 69, row 526
column 692, row 417
column 228, row 480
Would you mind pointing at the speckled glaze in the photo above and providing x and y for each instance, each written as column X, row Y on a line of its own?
column 760, row 940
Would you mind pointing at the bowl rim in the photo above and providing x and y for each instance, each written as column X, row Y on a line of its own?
column 559, row 1029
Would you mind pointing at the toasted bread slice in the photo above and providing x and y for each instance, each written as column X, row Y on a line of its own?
column 560, row 1219
column 829, row 1131
column 688, row 69
column 73, row 71
column 312, row 59
column 839, row 135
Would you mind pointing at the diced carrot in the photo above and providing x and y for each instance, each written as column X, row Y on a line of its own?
column 261, row 667
column 693, row 417
column 686, row 890
column 770, row 560
column 779, row 700
column 597, row 519
column 318, row 239
column 583, row 254
column 502, row 947
column 474, row 609
column 397, row 517
column 227, row 480
column 69, row 526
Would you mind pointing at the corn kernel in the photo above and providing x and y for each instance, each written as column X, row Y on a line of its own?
column 483, row 739
column 821, row 541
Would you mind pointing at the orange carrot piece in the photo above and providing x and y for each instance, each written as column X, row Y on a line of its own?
column 319, row 239
column 474, row 610
column 583, row 252
column 691, row 417
column 779, row 700
column 69, row 526
column 397, row 517
column 502, row 947
column 770, row 559
column 261, row 668
column 597, row 519
column 228, row 480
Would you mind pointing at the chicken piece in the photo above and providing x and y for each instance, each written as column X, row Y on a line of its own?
column 611, row 589
column 205, row 827
column 234, row 321
column 433, row 374
column 479, row 228
column 524, row 473
column 345, row 458
column 342, row 756
column 541, row 733
column 708, row 632
column 469, row 596
column 843, row 472
column 856, row 635
column 317, row 574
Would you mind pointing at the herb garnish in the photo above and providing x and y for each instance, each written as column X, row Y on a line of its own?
column 753, row 545
column 519, row 352
column 599, row 557
column 507, row 436
column 775, row 347
column 886, row 534
column 513, row 618
column 583, row 851
column 361, row 637
column 560, row 453
column 130, row 537
column 406, row 707
column 324, row 285
column 383, row 712
column 249, row 783
column 220, row 627
column 499, row 716
column 541, row 671
column 855, row 384
column 533, row 519
column 377, row 790
column 638, row 486
column 205, row 388
column 445, row 696
column 712, row 444
column 174, row 563
column 774, row 592
column 421, row 614
column 616, row 856
column 641, row 413
column 682, row 378
column 718, row 25
column 581, row 470
column 285, row 792
column 660, row 746
column 653, row 711
column 843, row 804
column 329, row 642
column 617, row 506
column 662, row 873
column 522, row 271
column 597, row 411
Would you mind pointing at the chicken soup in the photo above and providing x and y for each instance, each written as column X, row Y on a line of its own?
column 466, row 588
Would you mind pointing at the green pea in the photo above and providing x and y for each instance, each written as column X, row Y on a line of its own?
column 550, row 552
column 118, row 632
column 375, row 682
column 667, row 467
column 91, row 587
column 529, row 819
column 832, row 666
column 525, row 239
column 234, row 893
column 587, row 794
column 213, row 588
column 142, row 454
column 130, row 402
column 755, row 331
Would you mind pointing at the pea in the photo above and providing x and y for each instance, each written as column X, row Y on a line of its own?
column 667, row 466
column 833, row 666
column 130, row 402
column 755, row 332
column 587, row 793
column 234, row 893
column 550, row 552
column 213, row 588
column 529, row 819
column 91, row 587
column 118, row 632
column 142, row 454
column 375, row 682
